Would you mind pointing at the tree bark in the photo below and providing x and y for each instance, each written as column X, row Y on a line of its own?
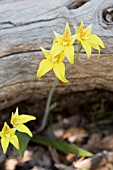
column 26, row 25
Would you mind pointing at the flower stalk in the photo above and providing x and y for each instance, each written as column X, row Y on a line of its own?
column 47, row 109
column 48, row 104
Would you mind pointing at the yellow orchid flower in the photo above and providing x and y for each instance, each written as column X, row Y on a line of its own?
column 88, row 40
column 18, row 122
column 54, row 62
column 65, row 43
column 8, row 135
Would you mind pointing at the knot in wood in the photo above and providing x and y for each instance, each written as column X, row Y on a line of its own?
column 108, row 16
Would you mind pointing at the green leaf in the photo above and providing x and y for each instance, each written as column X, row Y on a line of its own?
column 52, row 106
column 23, row 142
column 61, row 146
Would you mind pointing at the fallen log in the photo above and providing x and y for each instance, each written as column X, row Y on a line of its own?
column 26, row 25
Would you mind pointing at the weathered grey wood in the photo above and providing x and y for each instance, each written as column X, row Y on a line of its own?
column 25, row 25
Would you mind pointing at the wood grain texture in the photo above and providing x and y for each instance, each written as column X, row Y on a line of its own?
column 25, row 25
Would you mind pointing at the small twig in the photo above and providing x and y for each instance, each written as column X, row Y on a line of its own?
column 63, row 167
column 54, row 155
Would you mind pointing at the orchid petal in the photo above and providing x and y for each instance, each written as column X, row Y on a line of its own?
column 26, row 118
column 24, row 129
column 59, row 70
column 44, row 67
column 95, row 46
column 81, row 25
column 5, row 144
column 46, row 53
column 14, row 141
column 58, row 37
column 16, row 111
column 69, row 53
column 56, row 49
column 73, row 38
column 61, row 57
column 76, row 27
column 87, row 48
column 12, row 131
column 67, row 30
column 96, row 40
column 88, row 30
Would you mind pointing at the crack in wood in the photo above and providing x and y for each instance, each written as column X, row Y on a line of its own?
column 7, row 22
column 21, row 52
column 76, row 4
column 24, row 24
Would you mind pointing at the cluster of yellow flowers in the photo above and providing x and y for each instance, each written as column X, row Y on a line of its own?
column 63, row 46
column 8, row 134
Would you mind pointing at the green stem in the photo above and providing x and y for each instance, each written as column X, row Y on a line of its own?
column 79, row 49
column 47, row 109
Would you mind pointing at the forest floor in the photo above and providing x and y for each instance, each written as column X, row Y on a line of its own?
column 84, row 120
